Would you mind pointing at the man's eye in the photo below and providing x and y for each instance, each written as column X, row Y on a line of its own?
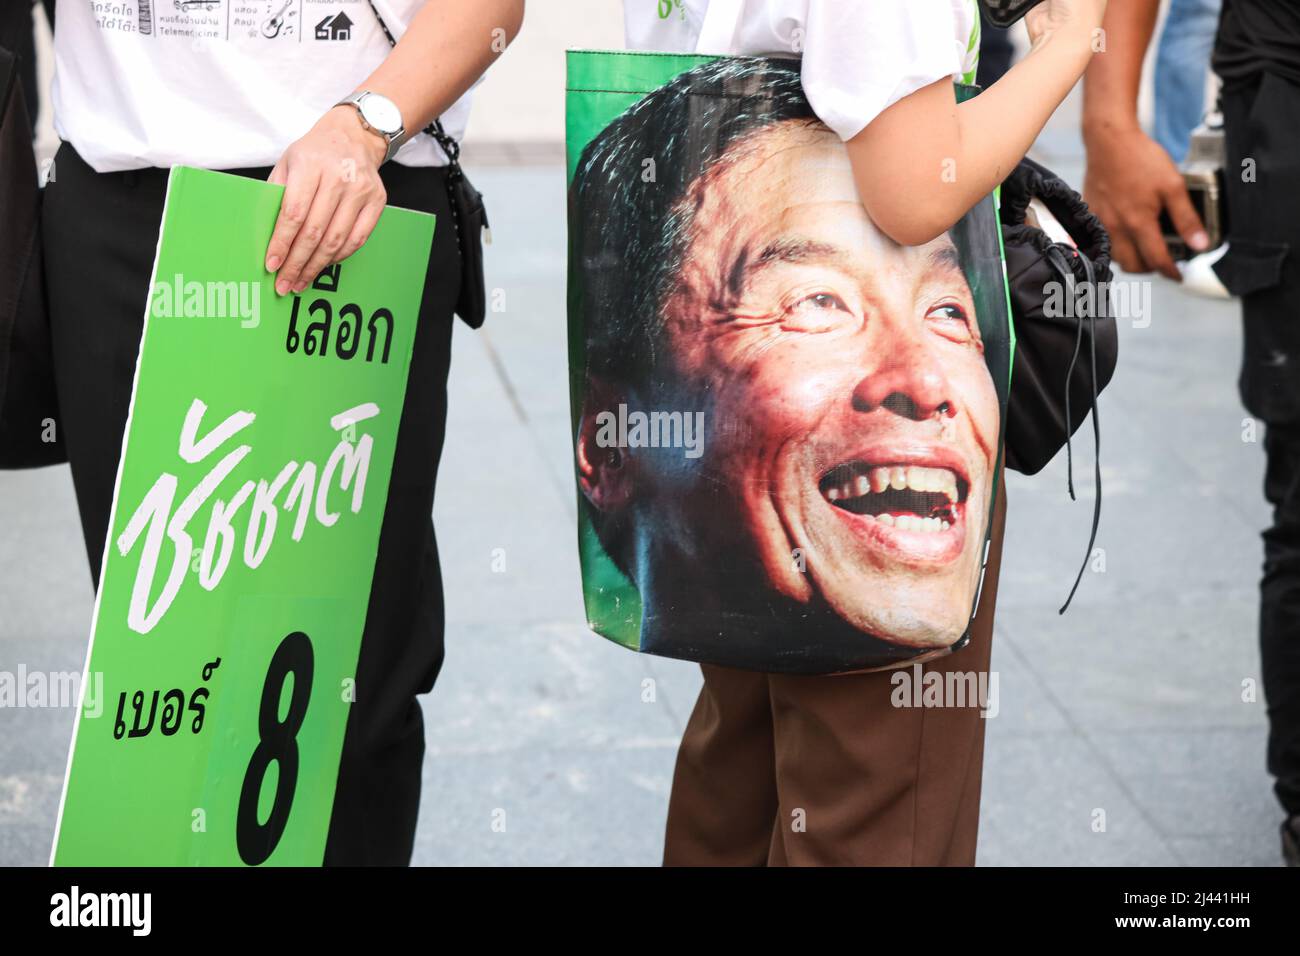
column 948, row 310
column 821, row 301
column 955, row 321
column 819, row 312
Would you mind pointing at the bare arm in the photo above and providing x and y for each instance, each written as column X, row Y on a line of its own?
column 927, row 160
column 333, row 194
column 447, row 47
column 1110, row 87
column 1130, row 178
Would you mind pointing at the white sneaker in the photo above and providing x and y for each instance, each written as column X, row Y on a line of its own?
column 1199, row 277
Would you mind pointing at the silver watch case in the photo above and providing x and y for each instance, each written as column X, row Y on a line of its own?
column 377, row 112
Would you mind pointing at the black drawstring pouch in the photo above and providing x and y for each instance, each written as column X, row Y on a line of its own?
column 1060, row 308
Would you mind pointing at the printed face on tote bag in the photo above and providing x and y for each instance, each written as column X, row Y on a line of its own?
column 789, row 427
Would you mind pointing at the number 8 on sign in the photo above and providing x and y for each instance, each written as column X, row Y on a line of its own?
column 277, row 742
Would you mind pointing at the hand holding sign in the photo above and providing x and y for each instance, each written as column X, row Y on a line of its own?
column 225, row 634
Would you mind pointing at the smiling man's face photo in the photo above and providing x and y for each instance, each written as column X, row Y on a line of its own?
column 851, row 420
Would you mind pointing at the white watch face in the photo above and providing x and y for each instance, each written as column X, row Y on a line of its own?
column 381, row 113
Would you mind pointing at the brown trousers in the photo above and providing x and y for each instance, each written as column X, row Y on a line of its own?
column 778, row 770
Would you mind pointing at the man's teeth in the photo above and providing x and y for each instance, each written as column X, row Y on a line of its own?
column 915, row 477
column 913, row 522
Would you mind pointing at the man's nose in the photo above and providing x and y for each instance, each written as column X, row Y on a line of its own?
column 907, row 379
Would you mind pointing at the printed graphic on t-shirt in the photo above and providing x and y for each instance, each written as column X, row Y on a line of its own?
column 337, row 26
column 279, row 18
column 330, row 21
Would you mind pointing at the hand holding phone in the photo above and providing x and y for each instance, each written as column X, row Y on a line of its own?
column 1203, row 172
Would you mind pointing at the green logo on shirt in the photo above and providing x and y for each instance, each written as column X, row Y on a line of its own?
column 666, row 8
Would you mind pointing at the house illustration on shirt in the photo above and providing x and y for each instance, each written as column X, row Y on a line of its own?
column 335, row 27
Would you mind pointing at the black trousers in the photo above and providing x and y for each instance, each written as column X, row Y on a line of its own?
column 1262, row 126
column 1279, row 613
column 16, row 37
column 100, row 234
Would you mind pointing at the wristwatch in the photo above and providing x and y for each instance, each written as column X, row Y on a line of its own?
column 378, row 113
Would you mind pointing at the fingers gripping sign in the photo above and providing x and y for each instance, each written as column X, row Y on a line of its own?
column 333, row 197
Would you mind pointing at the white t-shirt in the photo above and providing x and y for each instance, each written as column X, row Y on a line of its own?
column 221, row 84
column 859, row 57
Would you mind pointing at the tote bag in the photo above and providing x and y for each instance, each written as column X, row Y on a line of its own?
column 788, row 430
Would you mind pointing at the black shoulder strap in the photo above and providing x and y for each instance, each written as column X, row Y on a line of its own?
column 434, row 129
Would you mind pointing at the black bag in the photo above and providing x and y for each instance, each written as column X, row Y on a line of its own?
column 1059, row 301
column 1044, row 413
column 1003, row 13
column 29, row 418
column 469, row 216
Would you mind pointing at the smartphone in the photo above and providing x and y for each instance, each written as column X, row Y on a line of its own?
column 1203, row 172
column 1003, row 13
column 1206, row 195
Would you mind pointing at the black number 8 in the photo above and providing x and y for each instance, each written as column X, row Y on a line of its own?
column 278, row 741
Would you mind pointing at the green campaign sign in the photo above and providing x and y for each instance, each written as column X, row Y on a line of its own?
column 242, row 542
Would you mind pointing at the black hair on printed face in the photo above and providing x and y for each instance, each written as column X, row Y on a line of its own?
column 628, row 234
